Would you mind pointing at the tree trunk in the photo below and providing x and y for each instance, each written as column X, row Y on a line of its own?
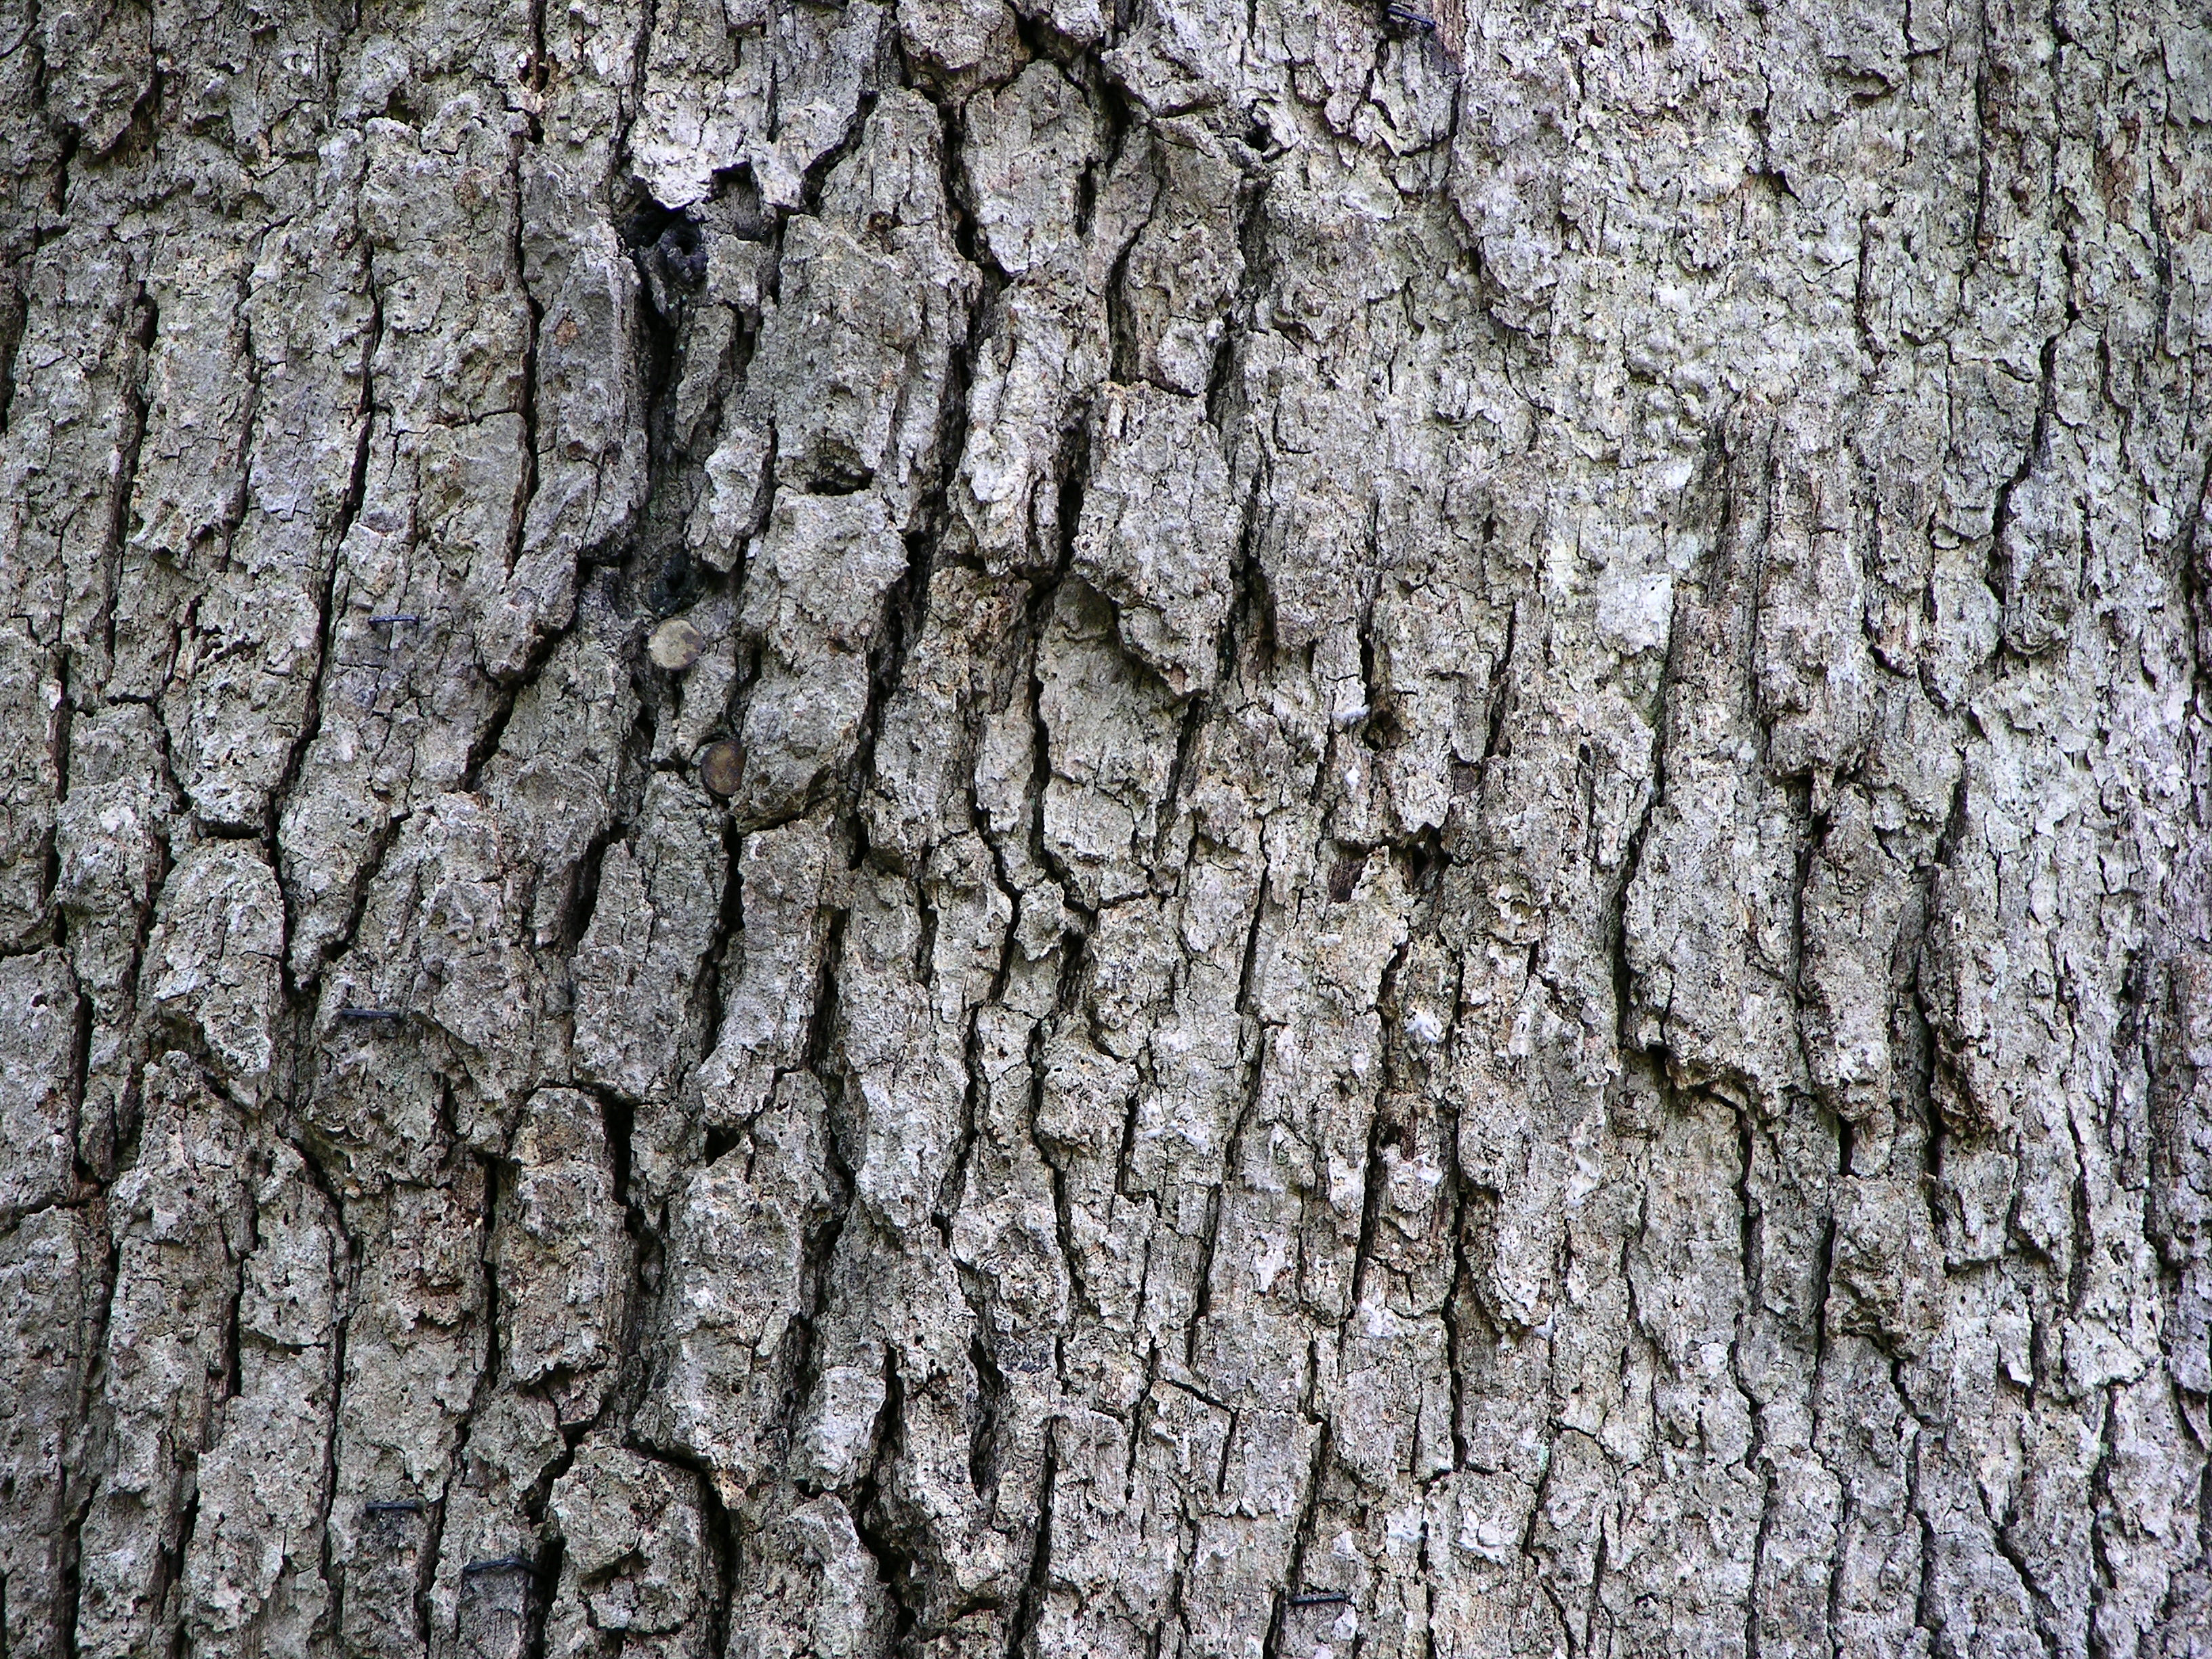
column 1227, row 830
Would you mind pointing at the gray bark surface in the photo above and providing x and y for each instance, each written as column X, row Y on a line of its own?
column 1183, row 830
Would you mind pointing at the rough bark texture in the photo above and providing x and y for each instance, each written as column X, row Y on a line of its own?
column 1205, row 830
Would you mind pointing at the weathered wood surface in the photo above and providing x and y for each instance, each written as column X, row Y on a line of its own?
column 1191, row 829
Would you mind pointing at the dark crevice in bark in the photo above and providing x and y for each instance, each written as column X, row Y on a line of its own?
column 2104, row 1578
column 1596, row 1606
column 1384, row 1132
column 719, row 1526
column 1041, row 600
column 817, row 1044
column 658, row 575
column 1302, row 1539
column 816, row 180
column 1196, row 714
column 1535, row 1564
column 82, row 1471
column 2082, row 1238
column 1752, row 1630
column 1999, row 574
column 346, row 1267
column 1222, row 393
column 906, row 609
column 897, row 1565
column 1631, row 857
column 908, row 604
column 534, row 76
column 170, row 1575
column 1460, row 1306
column 144, row 327
column 985, row 1448
column 80, row 1073
column 800, row 1360
column 1846, row 1520
column 722, row 1538
column 2003, row 1534
column 621, row 188
column 507, row 695
column 490, row 1374
column 534, row 311
column 1930, row 1061
column 1037, row 1585
column 1928, row 1607
column 382, row 842
column 14, row 312
column 1201, row 1304
column 1499, row 697
column 539, row 1598
column 722, row 959
column 311, row 724
column 618, row 1124
column 1254, row 1061
column 1086, row 1299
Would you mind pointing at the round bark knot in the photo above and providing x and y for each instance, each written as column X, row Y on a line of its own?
column 722, row 767
column 676, row 644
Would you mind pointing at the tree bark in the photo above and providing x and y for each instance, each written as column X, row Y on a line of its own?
column 1190, row 830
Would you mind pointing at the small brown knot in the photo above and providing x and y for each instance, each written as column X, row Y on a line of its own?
column 676, row 644
column 722, row 768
